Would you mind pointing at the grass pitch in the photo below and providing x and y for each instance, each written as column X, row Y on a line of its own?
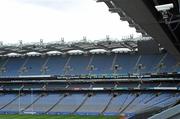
column 54, row 117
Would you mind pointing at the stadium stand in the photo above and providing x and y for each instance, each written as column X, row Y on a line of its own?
column 68, row 104
column 94, row 105
column 43, row 104
column 131, row 83
column 55, row 65
column 87, row 104
column 140, row 82
column 14, row 107
column 7, row 99
column 90, row 65
column 78, row 65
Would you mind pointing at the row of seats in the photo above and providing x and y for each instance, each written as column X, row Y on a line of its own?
column 53, row 86
column 97, row 64
column 89, row 104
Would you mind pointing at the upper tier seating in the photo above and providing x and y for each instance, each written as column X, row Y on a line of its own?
column 126, row 63
column 55, row 65
column 93, row 64
column 13, row 66
column 148, row 63
column 33, row 65
column 77, row 65
column 102, row 64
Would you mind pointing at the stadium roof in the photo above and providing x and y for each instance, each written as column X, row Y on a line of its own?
column 143, row 15
column 63, row 47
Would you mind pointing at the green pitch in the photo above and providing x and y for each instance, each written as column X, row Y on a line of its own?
column 54, row 117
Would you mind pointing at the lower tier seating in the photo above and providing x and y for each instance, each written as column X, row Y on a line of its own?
column 86, row 104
